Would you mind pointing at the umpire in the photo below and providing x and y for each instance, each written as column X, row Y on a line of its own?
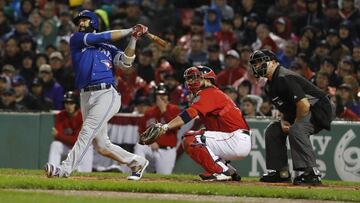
column 305, row 111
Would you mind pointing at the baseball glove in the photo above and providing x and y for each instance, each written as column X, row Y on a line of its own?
column 152, row 133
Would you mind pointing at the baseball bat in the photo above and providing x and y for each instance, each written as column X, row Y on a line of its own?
column 157, row 39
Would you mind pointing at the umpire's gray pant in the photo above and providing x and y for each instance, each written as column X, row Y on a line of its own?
column 303, row 156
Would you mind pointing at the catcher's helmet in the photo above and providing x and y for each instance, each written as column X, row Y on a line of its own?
column 261, row 57
column 70, row 96
column 193, row 76
column 161, row 89
column 94, row 21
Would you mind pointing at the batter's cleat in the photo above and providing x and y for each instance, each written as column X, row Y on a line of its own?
column 307, row 179
column 138, row 174
column 51, row 170
column 276, row 177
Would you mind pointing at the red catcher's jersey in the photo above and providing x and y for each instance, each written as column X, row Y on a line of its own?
column 68, row 127
column 154, row 115
column 218, row 112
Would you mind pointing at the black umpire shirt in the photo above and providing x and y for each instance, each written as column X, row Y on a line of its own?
column 287, row 88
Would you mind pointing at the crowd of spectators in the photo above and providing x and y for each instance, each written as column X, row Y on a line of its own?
column 319, row 39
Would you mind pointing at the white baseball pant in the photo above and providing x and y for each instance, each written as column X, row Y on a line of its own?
column 97, row 108
column 227, row 146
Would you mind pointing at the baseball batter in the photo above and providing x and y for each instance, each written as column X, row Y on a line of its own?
column 227, row 135
column 162, row 153
column 93, row 61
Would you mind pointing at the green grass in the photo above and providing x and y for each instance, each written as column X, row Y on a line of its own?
column 39, row 197
column 180, row 184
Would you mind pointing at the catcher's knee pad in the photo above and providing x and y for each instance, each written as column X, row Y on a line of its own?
column 200, row 154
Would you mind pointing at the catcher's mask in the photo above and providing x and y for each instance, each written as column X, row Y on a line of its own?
column 195, row 74
column 258, row 61
column 94, row 21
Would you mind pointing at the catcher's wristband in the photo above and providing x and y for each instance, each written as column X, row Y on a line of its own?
column 165, row 127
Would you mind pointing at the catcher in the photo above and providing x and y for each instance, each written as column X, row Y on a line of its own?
column 227, row 135
column 162, row 152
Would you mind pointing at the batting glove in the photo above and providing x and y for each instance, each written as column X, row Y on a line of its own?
column 139, row 30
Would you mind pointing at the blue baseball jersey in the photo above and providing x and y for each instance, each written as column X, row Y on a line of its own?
column 92, row 58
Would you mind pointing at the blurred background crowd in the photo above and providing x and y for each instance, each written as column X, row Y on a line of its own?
column 319, row 39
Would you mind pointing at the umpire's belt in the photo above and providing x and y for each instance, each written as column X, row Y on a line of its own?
column 101, row 86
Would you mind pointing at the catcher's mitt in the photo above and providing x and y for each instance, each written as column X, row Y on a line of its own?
column 152, row 133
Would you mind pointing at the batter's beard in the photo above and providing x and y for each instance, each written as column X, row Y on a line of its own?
column 88, row 29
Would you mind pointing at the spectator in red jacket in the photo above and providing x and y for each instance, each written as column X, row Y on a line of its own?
column 232, row 70
column 67, row 127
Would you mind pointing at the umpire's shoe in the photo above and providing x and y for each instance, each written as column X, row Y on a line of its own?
column 308, row 178
column 51, row 170
column 136, row 175
column 276, row 177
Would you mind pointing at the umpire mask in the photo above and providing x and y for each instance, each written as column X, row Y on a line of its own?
column 259, row 61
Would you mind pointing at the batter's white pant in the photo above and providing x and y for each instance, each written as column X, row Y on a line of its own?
column 227, row 146
column 59, row 149
column 161, row 161
column 97, row 108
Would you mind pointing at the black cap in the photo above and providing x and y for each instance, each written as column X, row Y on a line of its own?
column 323, row 43
column 161, row 89
column 70, row 96
column 253, row 17
column 37, row 82
column 332, row 31
column 17, row 80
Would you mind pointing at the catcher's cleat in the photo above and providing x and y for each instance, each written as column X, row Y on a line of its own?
column 276, row 177
column 136, row 175
column 234, row 176
column 307, row 179
column 51, row 170
column 224, row 176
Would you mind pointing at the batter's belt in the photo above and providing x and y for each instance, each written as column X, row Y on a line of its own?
column 101, row 86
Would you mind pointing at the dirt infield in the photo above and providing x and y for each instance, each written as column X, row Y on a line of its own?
column 162, row 196
column 242, row 183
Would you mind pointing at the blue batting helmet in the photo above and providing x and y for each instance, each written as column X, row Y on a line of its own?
column 94, row 22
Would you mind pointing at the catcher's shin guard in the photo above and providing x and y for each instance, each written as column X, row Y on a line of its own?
column 198, row 151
